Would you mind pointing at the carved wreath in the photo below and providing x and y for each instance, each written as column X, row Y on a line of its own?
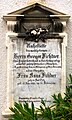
column 36, row 34
column 42, row 33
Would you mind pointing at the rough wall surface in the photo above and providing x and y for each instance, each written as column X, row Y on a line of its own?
column 7, row 6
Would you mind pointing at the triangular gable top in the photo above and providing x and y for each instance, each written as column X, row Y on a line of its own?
column 49, row 11
column 33, row 6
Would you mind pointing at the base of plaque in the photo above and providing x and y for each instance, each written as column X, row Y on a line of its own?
column 6, row 113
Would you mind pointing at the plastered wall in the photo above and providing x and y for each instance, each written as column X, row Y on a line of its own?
column 7, row 6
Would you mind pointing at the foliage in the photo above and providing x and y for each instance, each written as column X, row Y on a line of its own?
column 23, row 112
column 44, row 112
column 60, row 110
column 63, row 110
column 62, row 107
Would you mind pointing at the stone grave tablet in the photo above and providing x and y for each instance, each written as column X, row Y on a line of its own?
column 36, row 69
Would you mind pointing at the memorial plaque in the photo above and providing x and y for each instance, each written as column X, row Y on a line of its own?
column 36, row 42
column 36, row 69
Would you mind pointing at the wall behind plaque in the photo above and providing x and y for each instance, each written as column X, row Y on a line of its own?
column 7, row 6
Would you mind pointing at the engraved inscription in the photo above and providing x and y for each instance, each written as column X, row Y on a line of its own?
column 36, row 70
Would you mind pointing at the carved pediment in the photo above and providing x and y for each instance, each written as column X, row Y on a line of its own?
column 37, row 14
column 38, row 7
column 35, row 9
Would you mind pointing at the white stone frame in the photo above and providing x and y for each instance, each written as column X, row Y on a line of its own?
column 10, row 101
